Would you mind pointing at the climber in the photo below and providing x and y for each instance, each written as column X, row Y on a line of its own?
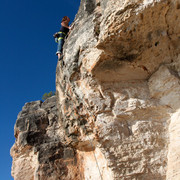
column 61, row 35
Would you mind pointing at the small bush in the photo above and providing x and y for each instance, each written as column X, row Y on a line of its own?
column 47, row 95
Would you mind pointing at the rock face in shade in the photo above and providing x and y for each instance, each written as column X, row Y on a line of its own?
column 118, row 98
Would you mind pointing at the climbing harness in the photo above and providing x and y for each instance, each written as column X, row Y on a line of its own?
column 59, row 35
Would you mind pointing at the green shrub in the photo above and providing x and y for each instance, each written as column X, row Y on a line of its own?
column 47, row 95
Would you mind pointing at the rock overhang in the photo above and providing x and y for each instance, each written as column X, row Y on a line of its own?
column 128, row 42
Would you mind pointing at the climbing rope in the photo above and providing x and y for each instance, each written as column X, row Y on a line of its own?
column 95, row 159
column 92, row 145
column 90, row 139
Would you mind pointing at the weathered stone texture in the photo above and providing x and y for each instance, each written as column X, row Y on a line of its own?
column 119, row 88
column 118, row 98
column 39, row 152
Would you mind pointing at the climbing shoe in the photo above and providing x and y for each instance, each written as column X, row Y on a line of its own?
column 61, row 57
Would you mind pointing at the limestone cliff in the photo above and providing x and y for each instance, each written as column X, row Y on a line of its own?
column 118, row 99
column 39, row 152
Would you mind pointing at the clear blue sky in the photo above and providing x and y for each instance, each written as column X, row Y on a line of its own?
column 28, row 61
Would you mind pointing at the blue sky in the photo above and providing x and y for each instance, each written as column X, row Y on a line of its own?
column 28, row 61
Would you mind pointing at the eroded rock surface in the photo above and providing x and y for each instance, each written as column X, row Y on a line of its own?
column 119, row 88
column 118, row 98
column 39, row 151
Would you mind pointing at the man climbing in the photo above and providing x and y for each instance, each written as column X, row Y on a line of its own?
column 61, row 35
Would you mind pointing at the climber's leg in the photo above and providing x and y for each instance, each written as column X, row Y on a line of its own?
column 60, row 48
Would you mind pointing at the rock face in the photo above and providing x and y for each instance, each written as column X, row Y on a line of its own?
column 39, row 151
column 118, row 98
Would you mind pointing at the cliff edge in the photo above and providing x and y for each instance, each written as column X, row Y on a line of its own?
column 116, row 114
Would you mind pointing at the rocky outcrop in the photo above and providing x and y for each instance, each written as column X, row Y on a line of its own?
column 118, row 96
column 119, row 88
column 39, row 151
